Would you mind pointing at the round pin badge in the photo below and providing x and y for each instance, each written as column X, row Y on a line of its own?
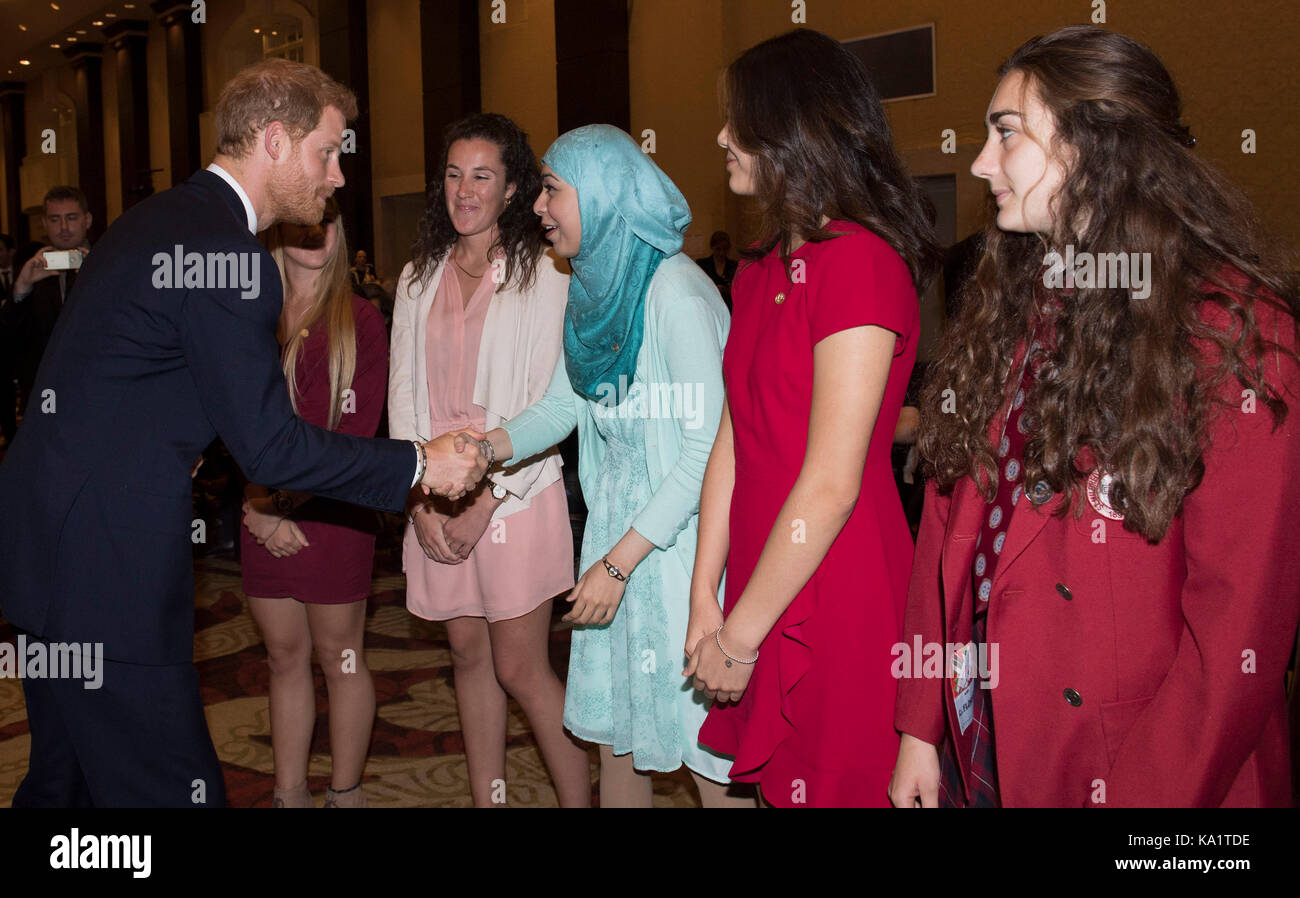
column 1098, row 491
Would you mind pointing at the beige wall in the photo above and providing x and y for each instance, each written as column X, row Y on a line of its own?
column 112, row 140
column 396, row 118
column 517, row 67
column 675, row 55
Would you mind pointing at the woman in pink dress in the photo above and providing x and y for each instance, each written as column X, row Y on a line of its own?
column 307, row 564
column 799, row 501
column 477, row 330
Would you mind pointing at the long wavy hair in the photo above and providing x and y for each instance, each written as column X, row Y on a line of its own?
column 808, row 112
column 332, row 304
column 1125, row 378
column 519, row 230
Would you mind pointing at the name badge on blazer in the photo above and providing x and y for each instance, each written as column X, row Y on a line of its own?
column 962, row 666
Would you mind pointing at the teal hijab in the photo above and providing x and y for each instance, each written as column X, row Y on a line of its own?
column 632, row 217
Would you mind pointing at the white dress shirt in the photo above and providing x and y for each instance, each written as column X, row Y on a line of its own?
column 243, row 197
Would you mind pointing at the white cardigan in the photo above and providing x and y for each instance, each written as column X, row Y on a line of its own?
column 523, row 336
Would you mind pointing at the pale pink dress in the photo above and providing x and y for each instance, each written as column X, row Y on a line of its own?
column 522, row 559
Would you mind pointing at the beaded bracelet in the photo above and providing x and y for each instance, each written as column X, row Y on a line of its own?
column 717, row 637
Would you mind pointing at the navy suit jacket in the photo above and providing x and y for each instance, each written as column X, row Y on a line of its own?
column 95, row 511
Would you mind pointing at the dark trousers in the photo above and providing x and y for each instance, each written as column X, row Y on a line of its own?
column 140, row 740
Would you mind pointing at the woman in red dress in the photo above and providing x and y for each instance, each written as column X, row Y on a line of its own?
column 798, row 500
column 1108, row 536
column 307, row 561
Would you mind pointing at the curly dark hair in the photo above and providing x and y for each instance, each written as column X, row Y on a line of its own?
column 1133, row 379
column 806, row 109
column 519, row 230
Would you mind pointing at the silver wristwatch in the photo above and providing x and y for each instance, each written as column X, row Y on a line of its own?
column 499, row 492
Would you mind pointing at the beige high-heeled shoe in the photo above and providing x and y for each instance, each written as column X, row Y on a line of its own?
column 297, row 797
column 347, row 798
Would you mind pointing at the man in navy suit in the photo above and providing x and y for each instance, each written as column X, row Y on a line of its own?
column 169, row 340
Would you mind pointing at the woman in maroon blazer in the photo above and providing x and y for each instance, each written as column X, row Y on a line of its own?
column 1105, row 591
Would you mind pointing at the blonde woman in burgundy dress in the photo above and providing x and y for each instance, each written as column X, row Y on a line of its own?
column 307, row 561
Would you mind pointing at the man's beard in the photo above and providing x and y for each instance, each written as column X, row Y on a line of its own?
column 294, row 197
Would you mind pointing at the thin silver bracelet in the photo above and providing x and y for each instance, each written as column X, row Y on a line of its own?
column 717, row 637
column 421, row 461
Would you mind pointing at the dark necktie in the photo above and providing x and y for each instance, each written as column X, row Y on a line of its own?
column 66, row 280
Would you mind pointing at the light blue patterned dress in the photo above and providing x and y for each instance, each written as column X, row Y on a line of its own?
column 625, row 687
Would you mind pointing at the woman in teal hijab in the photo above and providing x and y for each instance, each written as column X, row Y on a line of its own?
column 641, row 379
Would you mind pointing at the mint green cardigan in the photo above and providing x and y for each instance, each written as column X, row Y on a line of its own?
column 686, row 327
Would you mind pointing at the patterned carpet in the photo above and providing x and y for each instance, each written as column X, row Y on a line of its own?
column 417, row 754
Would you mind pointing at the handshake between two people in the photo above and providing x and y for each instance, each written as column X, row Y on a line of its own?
column 456, row 462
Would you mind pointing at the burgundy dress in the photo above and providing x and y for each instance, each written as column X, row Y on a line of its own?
column 336, row 567
column 815, row 725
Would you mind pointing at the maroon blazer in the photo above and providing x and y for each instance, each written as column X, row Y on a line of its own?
column 1144, row 675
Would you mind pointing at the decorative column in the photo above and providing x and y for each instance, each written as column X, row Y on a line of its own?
column 184, row 85
column 127, row 37
column 344, row 58
column 591, row 67
column 88, row 97
column 13, row 126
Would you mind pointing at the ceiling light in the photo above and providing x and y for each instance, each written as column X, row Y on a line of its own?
column 24, row 62
column 97, row 23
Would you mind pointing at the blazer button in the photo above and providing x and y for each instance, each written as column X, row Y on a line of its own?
column 1064, row 591
column 1073, row 697
column 1040, row 492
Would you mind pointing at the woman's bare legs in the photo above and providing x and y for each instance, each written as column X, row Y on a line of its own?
column 716, row 795
column 285, row 632
column 523, row 668
column 621, row 784
column 481, row 703
column 338, row 632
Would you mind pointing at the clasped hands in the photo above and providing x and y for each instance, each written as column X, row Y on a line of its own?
column 447, row 529
column 456, row 464
column 275, row 532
